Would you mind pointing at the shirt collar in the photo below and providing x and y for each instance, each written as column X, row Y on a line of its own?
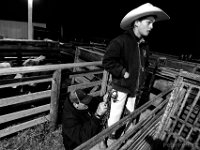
column 139, row 41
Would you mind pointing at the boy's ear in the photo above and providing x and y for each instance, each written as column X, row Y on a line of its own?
column 136, row 23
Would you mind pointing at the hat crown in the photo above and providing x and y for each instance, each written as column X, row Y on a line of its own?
column 141, row 11
column 80, row 96
column 146, row 5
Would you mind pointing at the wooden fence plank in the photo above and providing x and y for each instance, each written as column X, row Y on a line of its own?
column 88, row 67
column 22, row 126
column 104, row 83
column 85, row 74
column 25, row 83
column 24, row 98
column 55, row 92
column 82, row 80
column 90, row 51
column 76, row 57
column 24, row 113
column 83, row 85
column 94, row 94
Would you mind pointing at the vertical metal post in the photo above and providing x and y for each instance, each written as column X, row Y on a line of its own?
column 30, row 23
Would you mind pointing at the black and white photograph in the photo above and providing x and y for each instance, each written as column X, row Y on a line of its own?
column 99, row 75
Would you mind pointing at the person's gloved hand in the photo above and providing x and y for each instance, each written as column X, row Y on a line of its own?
column 126, row 75
column 102, row 108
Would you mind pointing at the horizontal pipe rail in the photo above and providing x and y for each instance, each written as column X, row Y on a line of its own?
column 28, row 69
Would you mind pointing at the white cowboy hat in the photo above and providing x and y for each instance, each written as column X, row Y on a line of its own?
column 141, row 11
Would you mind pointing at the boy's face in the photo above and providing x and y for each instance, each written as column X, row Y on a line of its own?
column 145, row 25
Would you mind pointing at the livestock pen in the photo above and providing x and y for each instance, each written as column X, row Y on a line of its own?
column 170, row 116
column 26, row 110
column 36, row 97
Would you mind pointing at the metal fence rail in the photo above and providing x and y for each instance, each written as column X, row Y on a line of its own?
column 182, row 127
column 174, row 121
column 122, row 143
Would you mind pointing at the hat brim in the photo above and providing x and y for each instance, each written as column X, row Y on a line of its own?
column 142, row 12
column 81, row 96
column 86, row 100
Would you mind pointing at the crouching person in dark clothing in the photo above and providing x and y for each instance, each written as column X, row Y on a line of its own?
column 79, row 124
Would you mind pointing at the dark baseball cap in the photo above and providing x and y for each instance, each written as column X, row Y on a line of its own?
column 80, row 96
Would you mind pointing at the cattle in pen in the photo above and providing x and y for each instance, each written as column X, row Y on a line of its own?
column 34, row 87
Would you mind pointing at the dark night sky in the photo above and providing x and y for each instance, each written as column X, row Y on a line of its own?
column 101, row 18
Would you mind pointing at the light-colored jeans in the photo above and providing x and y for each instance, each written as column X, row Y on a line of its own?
column 117, row 106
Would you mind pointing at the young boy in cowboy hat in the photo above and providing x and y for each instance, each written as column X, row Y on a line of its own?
column 126, row 57
column 79, row 121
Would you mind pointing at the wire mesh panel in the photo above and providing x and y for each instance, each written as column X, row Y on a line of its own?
column 181, row 128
